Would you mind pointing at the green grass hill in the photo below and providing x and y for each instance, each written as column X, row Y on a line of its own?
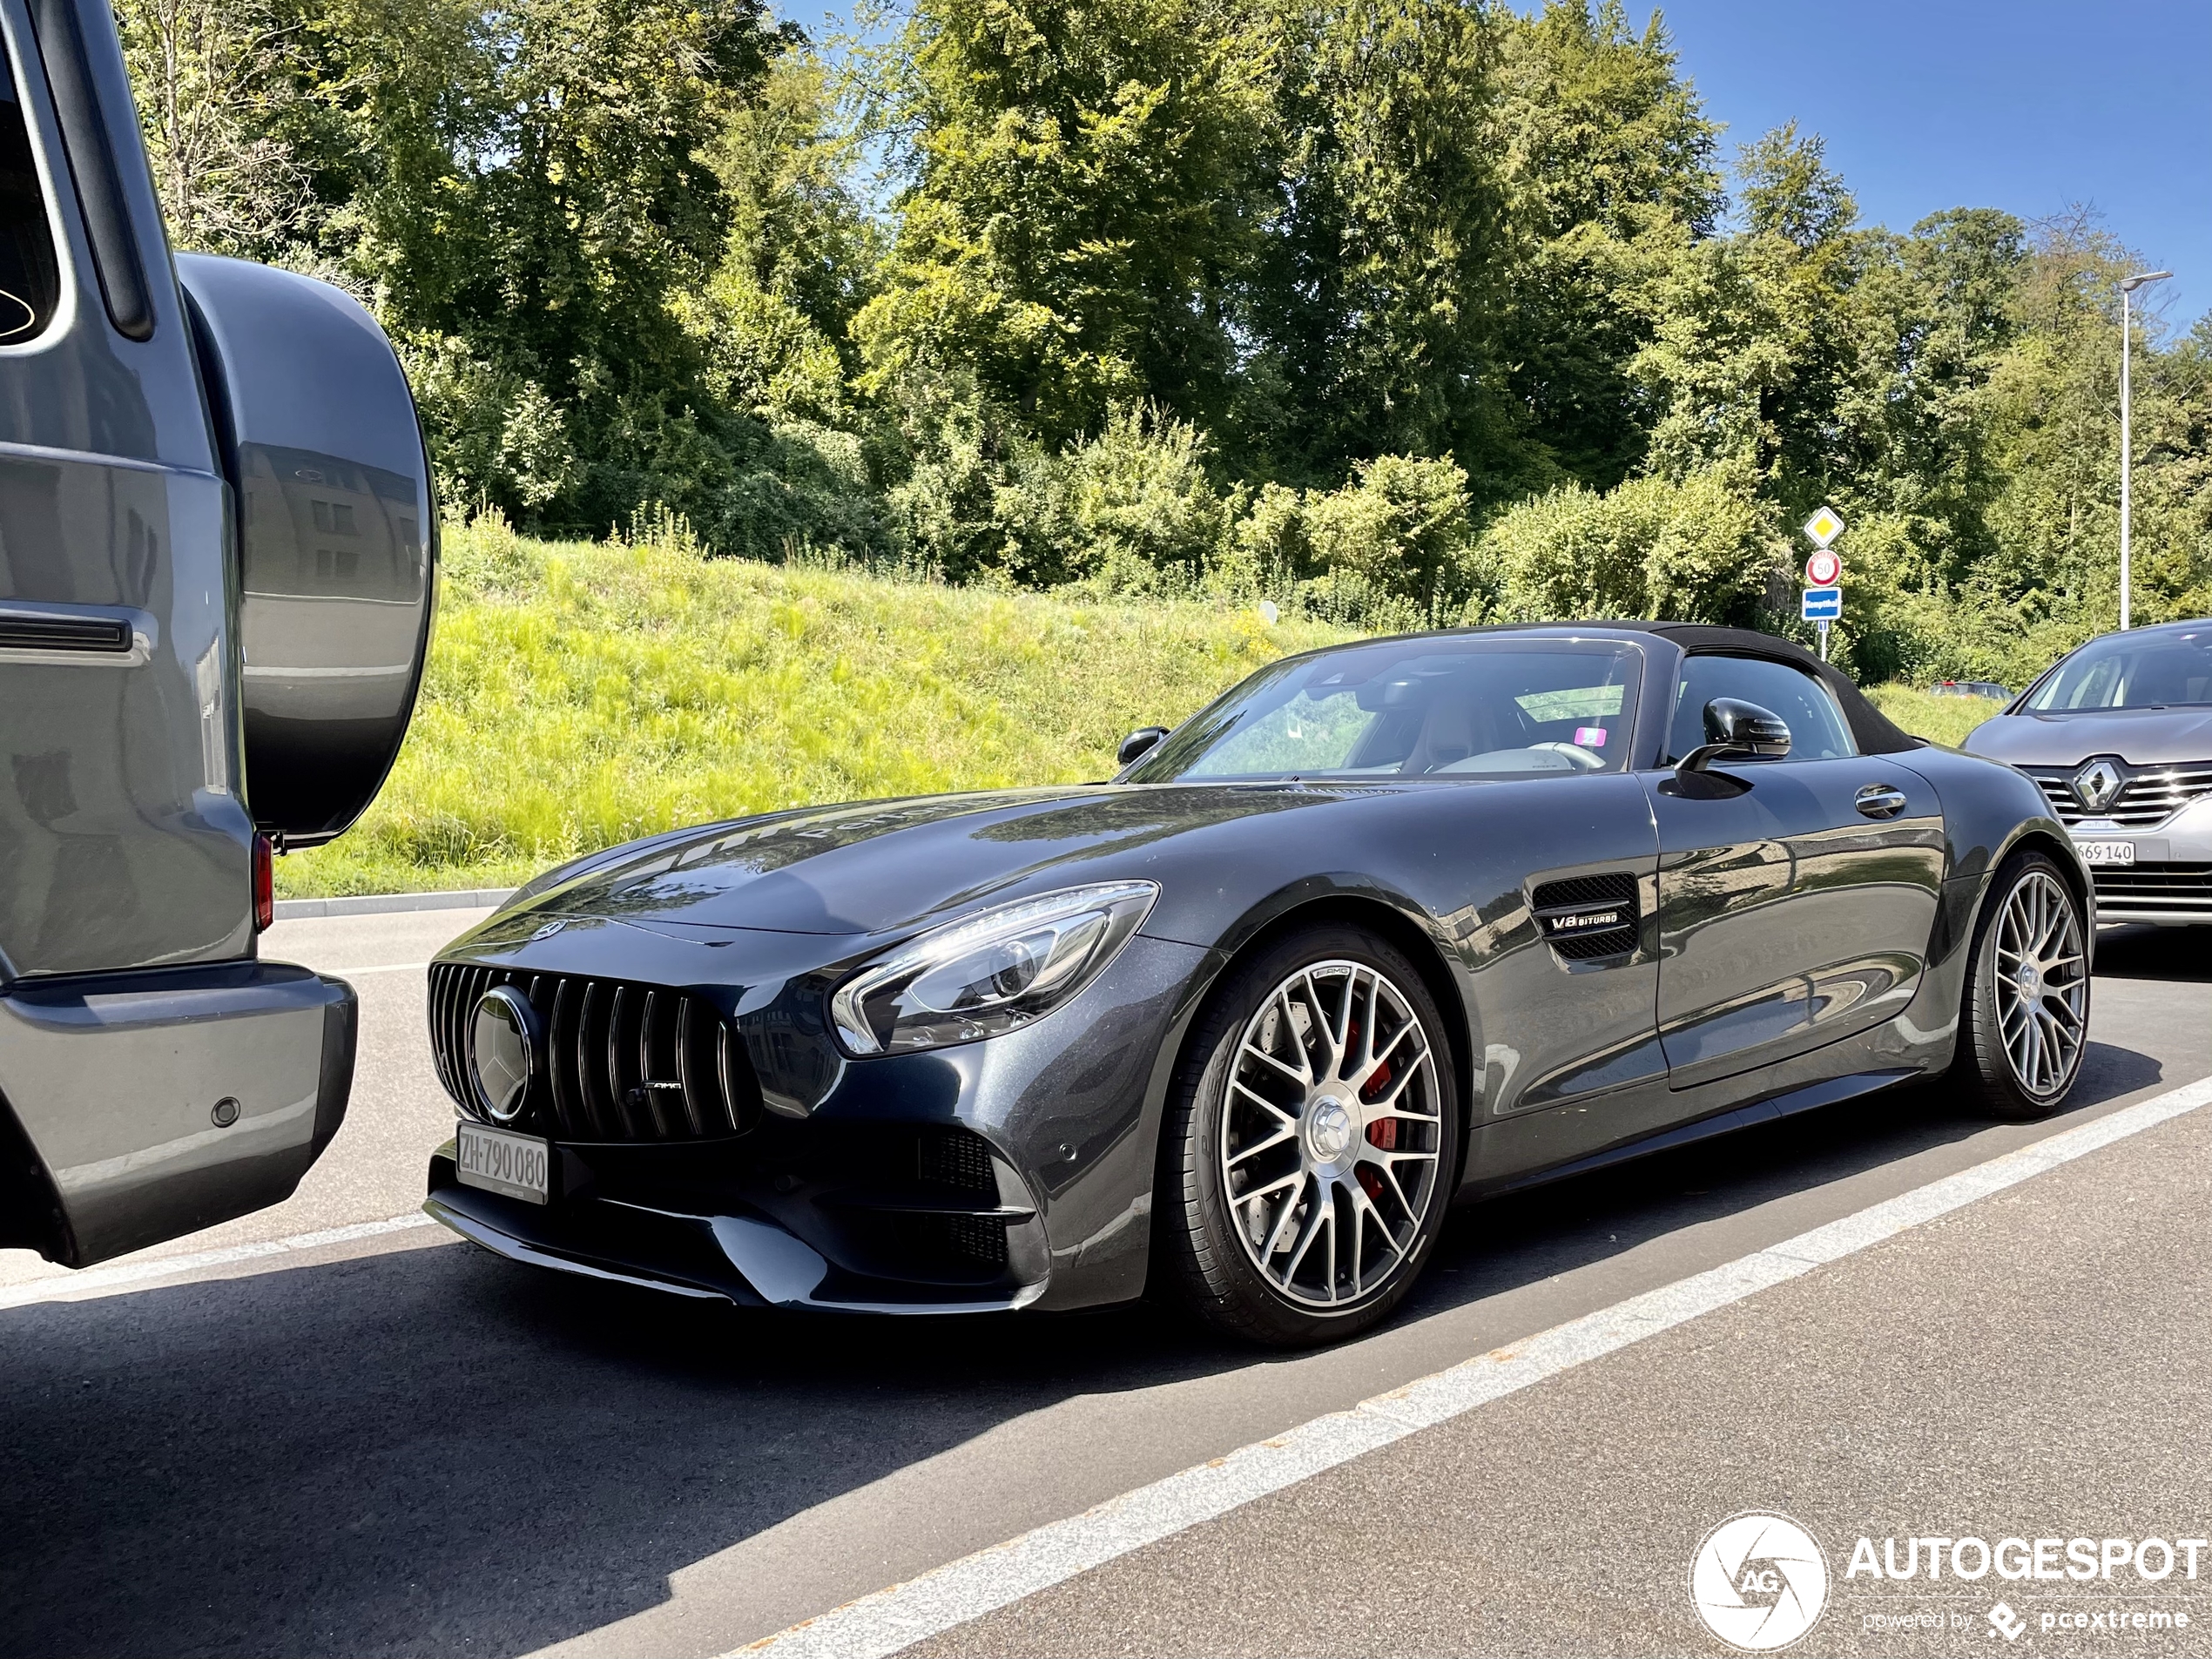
column 581, row 694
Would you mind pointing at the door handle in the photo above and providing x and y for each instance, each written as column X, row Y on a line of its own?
column 1880, row 801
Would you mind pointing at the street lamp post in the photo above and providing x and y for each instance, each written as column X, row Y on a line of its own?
column 2127, row 286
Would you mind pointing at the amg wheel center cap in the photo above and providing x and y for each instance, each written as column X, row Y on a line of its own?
column 2029, row 978
column 1328, row 1130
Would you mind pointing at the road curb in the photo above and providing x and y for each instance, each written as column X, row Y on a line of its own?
column 376, row 904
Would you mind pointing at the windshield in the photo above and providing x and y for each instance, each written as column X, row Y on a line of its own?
column 1410, row 708
column 2144, row 670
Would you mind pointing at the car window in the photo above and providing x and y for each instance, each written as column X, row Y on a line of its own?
column 1807, row 707
column 1417, row 708
column 2138, row 670
column 29, row 275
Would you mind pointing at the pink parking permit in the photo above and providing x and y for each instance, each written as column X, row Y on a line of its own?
column 1589, row 736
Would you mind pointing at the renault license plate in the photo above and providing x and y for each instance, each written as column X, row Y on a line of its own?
column 2106, row 851
column 499, row 1161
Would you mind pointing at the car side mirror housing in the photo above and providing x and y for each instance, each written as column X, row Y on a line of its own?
column 1139, row 743
column 1736, row 729
column 337, row 536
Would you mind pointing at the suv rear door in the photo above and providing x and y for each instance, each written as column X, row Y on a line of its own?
column 120, row 819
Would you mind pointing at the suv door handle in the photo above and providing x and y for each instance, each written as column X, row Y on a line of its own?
column 1880, row 801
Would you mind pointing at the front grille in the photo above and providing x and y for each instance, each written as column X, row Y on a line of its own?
column 2148, row 796
column 622, row 1062
column 2141, row 888
column 1587, row 917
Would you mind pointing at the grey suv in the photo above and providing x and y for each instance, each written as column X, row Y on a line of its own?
column 2119, row 735
column 217, row 563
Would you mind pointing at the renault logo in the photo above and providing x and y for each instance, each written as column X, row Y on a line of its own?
column 2096, row 783
column 503, row 1051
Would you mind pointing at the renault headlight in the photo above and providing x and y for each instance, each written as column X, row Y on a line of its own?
column 990, row 973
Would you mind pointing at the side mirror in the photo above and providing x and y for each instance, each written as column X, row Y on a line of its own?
column 1737, row 731
column 1139, row 743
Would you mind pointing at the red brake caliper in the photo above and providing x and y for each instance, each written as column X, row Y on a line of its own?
column 1381, row 1134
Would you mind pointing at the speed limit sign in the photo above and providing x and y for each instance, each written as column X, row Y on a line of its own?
column 1823, row 569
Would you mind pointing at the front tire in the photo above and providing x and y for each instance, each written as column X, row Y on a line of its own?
column 1311, row 1141
column 2025, row 1024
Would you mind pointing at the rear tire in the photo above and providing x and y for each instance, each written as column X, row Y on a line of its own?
column 1311, row 1141
column 2024, row 1022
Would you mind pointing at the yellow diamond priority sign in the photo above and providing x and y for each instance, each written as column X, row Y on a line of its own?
column 1824, row 526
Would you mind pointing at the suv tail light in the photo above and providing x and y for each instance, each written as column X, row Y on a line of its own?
column 264, row 883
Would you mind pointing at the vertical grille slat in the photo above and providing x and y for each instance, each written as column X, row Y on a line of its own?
column 686, row 1034
column 648, row 1017
column 588, row 1073
column 560, row 1037
column 617, row 1086
column 624, row 1063
column 440, row 1055
column 445, row 983
column 726, row 1060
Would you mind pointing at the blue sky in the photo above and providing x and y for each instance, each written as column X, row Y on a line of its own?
column 2030, row 105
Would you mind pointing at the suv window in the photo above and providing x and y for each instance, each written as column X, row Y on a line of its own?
column 1807, row 707
column 29, row 275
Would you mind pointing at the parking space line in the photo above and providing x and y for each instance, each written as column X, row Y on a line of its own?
column 883, row 1622
column 95, row 1281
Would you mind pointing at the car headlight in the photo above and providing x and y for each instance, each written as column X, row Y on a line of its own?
column 990, row 973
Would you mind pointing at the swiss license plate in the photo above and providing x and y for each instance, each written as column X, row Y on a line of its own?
column 499, row 1161
column 2106, row 851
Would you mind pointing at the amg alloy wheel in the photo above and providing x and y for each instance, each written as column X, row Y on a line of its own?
column 2027, row 1009
column 1316, row 1142
column 1328, row 1139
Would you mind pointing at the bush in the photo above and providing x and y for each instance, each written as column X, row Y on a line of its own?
column 1129, row 511
column 1387, row 552
column 1704, row 550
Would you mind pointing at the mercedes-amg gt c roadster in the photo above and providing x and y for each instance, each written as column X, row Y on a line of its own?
column 1388, row 925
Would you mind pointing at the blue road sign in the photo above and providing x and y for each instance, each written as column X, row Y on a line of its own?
column 1823, row 604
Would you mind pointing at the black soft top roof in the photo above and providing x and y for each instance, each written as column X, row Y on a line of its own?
column 1873, row 731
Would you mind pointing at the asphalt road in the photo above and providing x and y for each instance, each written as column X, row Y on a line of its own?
column 390, row 1443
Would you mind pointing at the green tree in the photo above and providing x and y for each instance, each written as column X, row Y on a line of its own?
column 1084, row 182
column 524, row 187
column 1374, row 304
column 1610, row 176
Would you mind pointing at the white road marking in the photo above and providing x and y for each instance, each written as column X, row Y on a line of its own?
column 98, row 1281
column 890, row 1619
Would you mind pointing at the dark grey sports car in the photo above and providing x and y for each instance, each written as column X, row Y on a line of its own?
column 1386, row 926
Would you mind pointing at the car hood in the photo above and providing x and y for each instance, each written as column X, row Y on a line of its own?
column 876, row 865
column 2140, row 737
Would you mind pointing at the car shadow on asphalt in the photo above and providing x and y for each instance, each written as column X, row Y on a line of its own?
column 2180, row 954
column 432, row 1450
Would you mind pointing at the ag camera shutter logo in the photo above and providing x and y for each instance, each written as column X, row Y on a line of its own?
column 1759, row 1582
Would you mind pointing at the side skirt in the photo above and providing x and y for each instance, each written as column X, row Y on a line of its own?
column 1810, row 1097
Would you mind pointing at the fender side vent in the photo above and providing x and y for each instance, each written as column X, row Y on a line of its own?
column 1587, row 918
